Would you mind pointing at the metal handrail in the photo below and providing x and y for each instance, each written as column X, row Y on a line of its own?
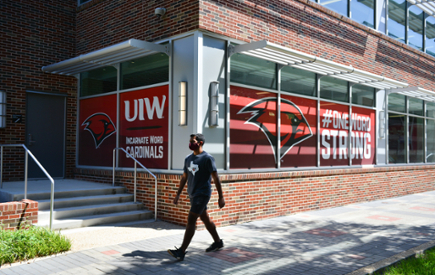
column 25, row 174
column 135, row 171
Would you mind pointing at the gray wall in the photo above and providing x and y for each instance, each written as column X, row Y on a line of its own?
column 213, row 69
column 198, row 60
column 380, row 142
column 183, row 70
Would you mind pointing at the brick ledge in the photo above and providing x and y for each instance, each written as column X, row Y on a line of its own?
column 264, row 175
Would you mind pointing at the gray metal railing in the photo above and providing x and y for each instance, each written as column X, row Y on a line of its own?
column 135, row 172
column 26, row 166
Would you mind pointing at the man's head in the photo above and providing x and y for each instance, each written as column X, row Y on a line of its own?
column 199, row 138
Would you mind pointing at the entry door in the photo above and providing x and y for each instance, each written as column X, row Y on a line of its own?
column 45, row 134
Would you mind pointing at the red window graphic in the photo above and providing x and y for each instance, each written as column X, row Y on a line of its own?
column 97, row 130
column 298, row 132
column 252, row 128
column 144, row 127
column 363, row 137
column 335, row 125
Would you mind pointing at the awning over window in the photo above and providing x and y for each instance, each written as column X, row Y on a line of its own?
column 288, row 57
column 416, row 92
column 428, row 6
column 111, row 55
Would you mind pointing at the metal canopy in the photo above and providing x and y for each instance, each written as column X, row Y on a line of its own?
column 288, row 57
column 111, row 55
column 415, row 92
column 428, row 6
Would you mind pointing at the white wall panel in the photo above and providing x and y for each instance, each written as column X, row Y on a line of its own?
column 183, row 70
column 213, row 66
column 380, row 142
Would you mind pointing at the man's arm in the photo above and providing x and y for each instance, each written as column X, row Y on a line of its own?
column 181, row 187
column 217, row 183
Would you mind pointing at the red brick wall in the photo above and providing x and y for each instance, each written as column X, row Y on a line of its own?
column 101, row 23
column 14, row 215
column 309, row 27
column 35, row 34
column 264, row 195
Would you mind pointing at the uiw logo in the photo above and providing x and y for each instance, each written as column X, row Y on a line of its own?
column 294, row 126
column 100, row 126
column 142, row 105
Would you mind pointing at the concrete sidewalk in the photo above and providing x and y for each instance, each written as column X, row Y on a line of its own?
column 357, row 239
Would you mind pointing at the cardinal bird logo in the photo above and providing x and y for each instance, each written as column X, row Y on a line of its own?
column 100, row 126
column 294, row 126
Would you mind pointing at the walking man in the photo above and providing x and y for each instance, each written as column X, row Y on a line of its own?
column 199, row 168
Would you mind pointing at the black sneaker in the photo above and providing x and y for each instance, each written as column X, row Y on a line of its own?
column 177, row 253
column 215, row 246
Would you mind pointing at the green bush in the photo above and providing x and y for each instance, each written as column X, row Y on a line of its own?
column 25, row 244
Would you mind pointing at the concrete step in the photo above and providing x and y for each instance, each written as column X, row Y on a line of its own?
column 87, row 210
column 90, row 220
column 86, row 200
column 45, row 195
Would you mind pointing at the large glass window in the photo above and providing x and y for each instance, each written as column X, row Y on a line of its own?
column 397, row 103
column 145, row 71
column 416, row 139
column 340, row 6
column 397, row 19
column 249, row 70
column 298, row 81
column 334, row 89
column 415, row 106
column 430, row 141
column 98, row 81
column 363, row 11
column 430, row 109
column 396, row 138
column 416, row 25
column 363, row 95
column 430, row 35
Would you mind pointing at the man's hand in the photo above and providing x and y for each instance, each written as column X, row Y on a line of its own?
column 183, row 181
column 221, row 202
column 176, row 199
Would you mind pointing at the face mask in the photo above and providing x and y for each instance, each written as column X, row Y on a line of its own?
column 193, row 146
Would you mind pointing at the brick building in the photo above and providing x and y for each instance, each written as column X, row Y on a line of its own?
column 304, row 105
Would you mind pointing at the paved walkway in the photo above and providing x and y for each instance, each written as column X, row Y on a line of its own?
column 355, row 239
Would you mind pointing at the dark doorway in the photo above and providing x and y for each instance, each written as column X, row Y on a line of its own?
column 45, row 133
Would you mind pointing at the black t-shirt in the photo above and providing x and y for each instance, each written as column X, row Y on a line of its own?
column 199, row 169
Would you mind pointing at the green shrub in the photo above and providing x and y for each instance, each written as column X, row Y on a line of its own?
column 31, row 242
column 422, row 265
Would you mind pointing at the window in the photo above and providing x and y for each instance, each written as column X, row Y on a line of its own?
column 397, row 19
column 430, row 142
column 253, row 71
column 145, row 71
column 363, row 95
column 430, row 35
column 98, row 81
column 334, row 89
column 399, row 12
column 396, row 103
column 363, row 11
column 396, row 138
column 416, row 142
column 340, row 6
column 83, row 1
column 298, row 81
column 416, row 106
column 416, row 25
column 430, row 109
